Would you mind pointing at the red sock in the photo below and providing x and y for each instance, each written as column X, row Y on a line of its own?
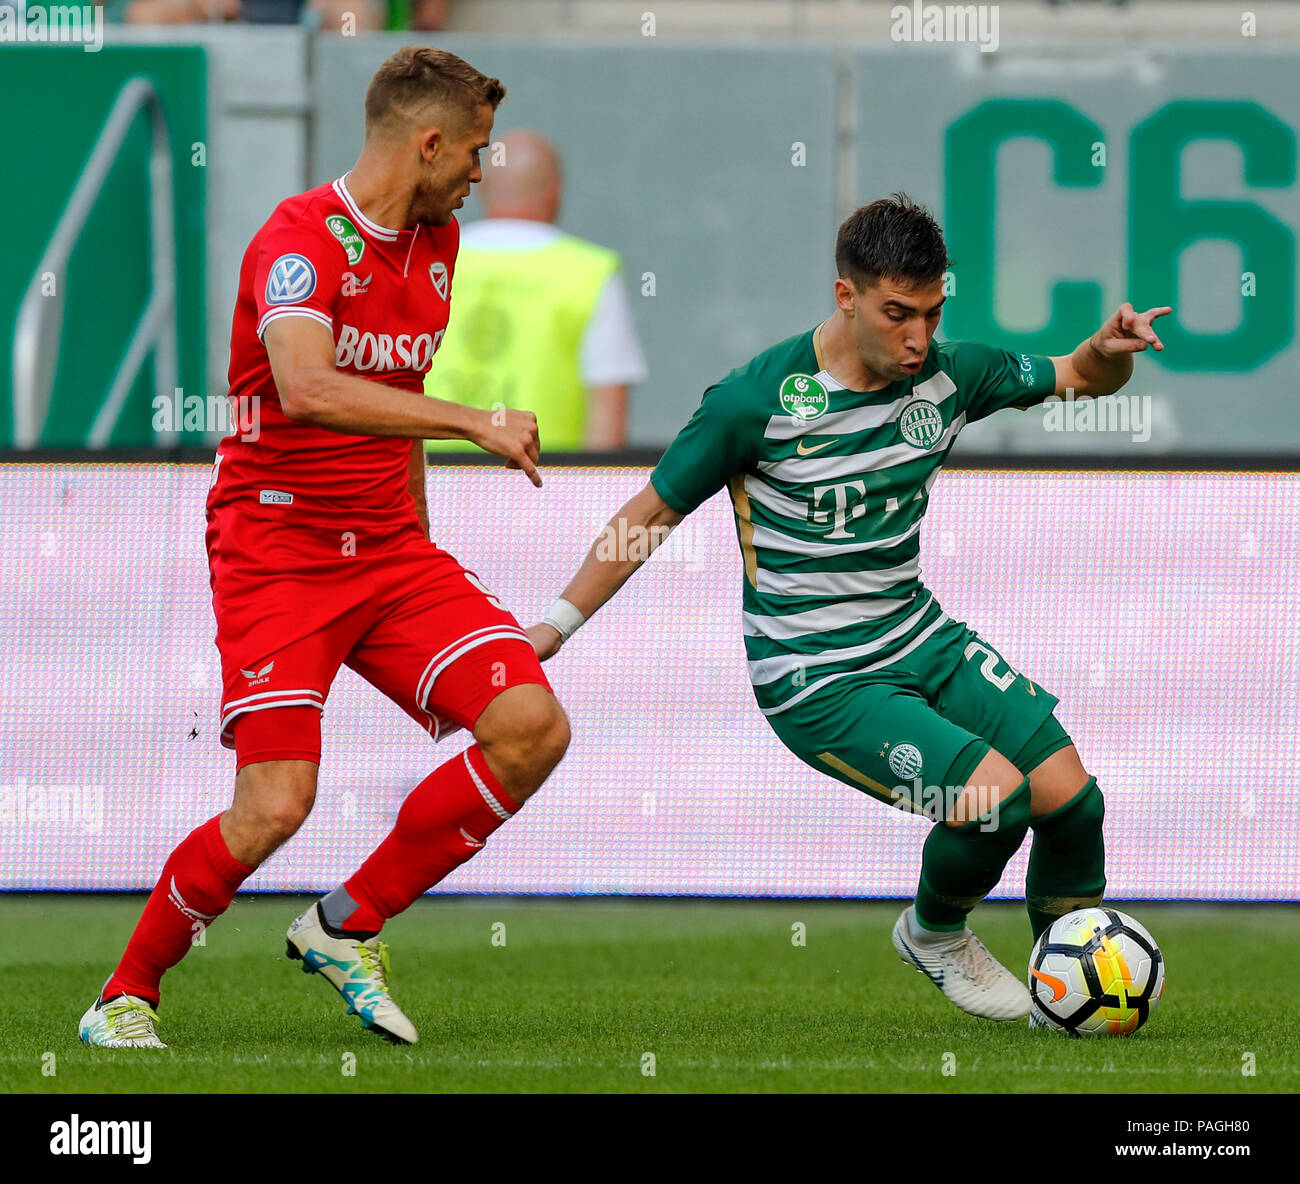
column 446, row 818
column 198, row 882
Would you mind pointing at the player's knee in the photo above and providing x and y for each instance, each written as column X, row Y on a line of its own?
column 280, row 820
column 272, row 800
column 528, row 736
column 999, row 830
column 1090, row 806
column 996, row 773
column 543, row 735
column 1012, row 815
column 557, row 738
column 993, row 787
column 1082, row 815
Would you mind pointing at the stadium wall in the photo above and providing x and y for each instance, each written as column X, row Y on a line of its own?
column 1067, row 182
column 1158, row 606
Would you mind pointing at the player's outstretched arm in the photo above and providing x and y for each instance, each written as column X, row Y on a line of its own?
column 1104, row 363
column 313, row 390
column 625, row 543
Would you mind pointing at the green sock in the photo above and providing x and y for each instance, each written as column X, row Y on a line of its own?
column 961, row 865
column 1067, row 863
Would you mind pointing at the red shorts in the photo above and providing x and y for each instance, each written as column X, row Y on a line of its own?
column 294, row 603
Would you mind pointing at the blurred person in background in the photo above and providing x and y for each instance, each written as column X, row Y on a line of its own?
column 539, row 317
column 357, row 16
column 178, row 12
column 368, row 16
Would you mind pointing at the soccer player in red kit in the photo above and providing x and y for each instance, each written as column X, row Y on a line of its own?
column 319, row 554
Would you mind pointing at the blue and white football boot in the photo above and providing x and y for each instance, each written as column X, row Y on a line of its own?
column 357, row 970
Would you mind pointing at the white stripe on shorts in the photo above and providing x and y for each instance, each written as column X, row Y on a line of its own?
column 458, row 648
column 229, row 716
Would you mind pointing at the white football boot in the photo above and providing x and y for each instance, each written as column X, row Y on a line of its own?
column 357, row 970
column 965, row 972
column 122, row 1022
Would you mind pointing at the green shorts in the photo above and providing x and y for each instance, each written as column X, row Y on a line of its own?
column 912, row 734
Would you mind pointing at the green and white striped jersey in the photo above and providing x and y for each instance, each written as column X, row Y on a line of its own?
column 829, row 487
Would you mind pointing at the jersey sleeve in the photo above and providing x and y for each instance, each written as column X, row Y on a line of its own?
column 720, row 440
column 297, row 274
column 610, row 352
column 991, row 379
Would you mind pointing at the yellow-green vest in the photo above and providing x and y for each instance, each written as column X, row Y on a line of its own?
column 515, row 332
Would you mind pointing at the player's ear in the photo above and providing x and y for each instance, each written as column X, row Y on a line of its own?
column 429, row 142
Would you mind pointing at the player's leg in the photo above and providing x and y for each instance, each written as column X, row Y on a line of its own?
column 521, row 735
column 1067, row 862
column 272, row 801
column 287, row 613
column 988, row 697
column 964, row 857
column 443, row 822
column 449, row 655
column 522, row 732
column 961, row 863
column 884, row 739
column 199, row 880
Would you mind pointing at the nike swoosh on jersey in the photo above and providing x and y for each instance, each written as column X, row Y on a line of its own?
column 802, row 451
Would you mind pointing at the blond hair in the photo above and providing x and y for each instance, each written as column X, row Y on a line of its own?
column 417, row 78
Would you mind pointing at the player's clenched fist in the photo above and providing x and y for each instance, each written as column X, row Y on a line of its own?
column 512, row 434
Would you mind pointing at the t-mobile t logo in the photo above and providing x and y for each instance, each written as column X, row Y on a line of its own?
column 843, row 511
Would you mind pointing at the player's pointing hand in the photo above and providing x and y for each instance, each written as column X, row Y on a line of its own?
column 1129, row 332
column 513, row 434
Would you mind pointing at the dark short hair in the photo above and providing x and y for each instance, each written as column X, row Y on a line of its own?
column 416, row 77
column 893, row 238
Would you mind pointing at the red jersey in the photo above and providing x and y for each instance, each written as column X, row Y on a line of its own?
column 385, row 295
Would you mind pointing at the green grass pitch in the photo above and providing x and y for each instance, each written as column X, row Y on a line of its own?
column 636, row 997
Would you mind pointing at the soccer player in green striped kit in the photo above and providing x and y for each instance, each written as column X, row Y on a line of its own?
column 829, row 444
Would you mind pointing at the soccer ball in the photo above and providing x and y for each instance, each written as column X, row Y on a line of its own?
column 1095, row 972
